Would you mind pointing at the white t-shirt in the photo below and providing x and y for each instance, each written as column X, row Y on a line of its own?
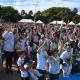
column 20, row 61
column 66, row 69
column 54, row 65
column 24, row 73
column 65, row 55
column 41, row 60
column 9, row 41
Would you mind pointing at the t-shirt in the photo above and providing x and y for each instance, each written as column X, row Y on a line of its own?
column 9, row 40
column 41, row 60
column 53, row 46
column 24, row 73
column 66, row 55
column 22, row 44
column 54, row 65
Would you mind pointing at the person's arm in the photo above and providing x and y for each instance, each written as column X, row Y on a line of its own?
column 5, row 35
column 40, row 47
column 47, row 66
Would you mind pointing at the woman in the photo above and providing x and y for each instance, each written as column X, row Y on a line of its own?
column 41, row 60
column 66, row 56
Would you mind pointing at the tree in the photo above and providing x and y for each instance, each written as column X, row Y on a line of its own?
column 75, row 10
column 29, row 15
column 10, row 14
column 31, row 12
column 23, row 13
column 76, row 19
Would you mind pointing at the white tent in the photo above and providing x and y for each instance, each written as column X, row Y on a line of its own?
column 26, row 21
column 39, row 22
column 78, row 24
column 61, row 22
column 71, row 23
column 53, row 22
column 0, row 24
column 58, row 22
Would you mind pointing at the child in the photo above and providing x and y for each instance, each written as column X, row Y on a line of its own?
column 23, row 71
column 34, row 74
column 53, row 65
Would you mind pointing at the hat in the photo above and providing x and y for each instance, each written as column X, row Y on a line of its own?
column 28, row 61
column 31, row 62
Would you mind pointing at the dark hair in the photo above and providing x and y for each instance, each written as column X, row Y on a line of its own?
column 31, row 44
column 50, row 52
column 26, row 60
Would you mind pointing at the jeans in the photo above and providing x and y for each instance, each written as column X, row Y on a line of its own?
column 8, row 57
column 54, row 76
column 43, row 72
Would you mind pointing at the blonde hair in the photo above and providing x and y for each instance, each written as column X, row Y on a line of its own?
column 66, row 44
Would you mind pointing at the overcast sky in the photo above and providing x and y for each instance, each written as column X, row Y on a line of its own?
column 41, row 5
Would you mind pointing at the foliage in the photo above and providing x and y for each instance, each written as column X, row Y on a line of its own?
column 8, row 13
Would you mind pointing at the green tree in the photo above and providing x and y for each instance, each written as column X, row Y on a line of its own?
column 23, row 13
column 75, row 10
column 31, row 12
column 76, row 19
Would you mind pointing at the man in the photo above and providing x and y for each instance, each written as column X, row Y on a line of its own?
column 8, row 48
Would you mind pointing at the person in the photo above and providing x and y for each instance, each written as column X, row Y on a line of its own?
column 34, row 74
column 66, row 56
column 1, row 53
column 61, row 46
column 8, row 47
column 41, row 60
column 20, row 44
column 53, row 43
column 53, row 65
column 23, row 72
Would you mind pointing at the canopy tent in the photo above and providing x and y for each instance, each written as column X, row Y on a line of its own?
column 58, row 22
column 0, row 24
column 78, row 24
column 39, row 22
column 53, row 22
column 71, row 23
column 26, row 21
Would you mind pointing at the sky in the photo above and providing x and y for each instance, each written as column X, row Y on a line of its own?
column 40, row 5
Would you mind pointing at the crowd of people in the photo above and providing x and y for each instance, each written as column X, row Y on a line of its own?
column 39, row 50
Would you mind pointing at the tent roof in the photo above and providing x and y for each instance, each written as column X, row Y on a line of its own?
column 58, row 22
column 71, row 23
column 53, row 22
column 39, row 22
column 26, row 21
column 78, row 24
